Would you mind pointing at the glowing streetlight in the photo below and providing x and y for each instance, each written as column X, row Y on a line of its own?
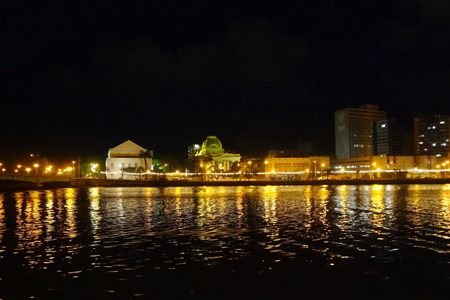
column 36, row 166
column 28, row 170
column 19, row 166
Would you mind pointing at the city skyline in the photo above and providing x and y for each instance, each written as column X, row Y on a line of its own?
column 87, row 77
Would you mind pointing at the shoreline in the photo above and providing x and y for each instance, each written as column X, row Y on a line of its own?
column 22, row 185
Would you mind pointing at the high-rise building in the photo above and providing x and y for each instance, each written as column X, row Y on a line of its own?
column 431, row 135
column 390, row 138
column 353, row 130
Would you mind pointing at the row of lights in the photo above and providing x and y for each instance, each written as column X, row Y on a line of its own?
column 48, row 169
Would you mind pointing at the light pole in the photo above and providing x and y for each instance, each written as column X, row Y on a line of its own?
column 74, row 169
column 315, row 169
column 36, row 166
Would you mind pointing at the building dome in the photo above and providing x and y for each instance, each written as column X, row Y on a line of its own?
column 211, row 146
column 212, row 142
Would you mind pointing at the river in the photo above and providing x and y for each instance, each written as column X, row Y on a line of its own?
column 268, row 242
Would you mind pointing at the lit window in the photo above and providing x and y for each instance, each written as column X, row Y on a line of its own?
column 444, row 144
column 434, row 127
column 442, row 122
column 420, row 143
column 383, row 125
column 434, row 144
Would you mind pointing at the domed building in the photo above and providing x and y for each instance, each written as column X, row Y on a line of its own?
column 212, row 156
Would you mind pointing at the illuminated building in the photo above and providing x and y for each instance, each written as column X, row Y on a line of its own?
column 286, row 162
column 127, row 161
column 212, row 157
column 353, row 130
column 431, row 135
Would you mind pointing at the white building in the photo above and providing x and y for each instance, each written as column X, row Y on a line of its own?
column 128, row 161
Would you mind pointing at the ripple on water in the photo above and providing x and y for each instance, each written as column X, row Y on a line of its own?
column 125, row 233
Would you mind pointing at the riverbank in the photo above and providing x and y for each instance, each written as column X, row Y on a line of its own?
column 174, row 183
column 9, row 185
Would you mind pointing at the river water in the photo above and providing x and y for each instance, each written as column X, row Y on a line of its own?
column 286, row 242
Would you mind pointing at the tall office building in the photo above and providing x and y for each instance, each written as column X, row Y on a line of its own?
column 353, row 130
column 390, row 138
column 431, row 135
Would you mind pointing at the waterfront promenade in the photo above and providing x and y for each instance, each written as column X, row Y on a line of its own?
column 88, row 182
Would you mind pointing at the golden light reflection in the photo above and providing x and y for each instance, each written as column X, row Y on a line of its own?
column 377, row 204
column 70, row 223
column 49, row 218
column 343, row 194
column 239, row 204
column 323, row 195
column 413, row 204
column 177, row 194
column 445, row 204
column 309, row 207
column 269, row 198
column 2, row 217
column 94, row 212
column 29, row 225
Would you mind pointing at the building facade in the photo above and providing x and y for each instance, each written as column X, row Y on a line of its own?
column 390, row 138
column 431, row 135
column 354, row 130
column 128, row 161
column 211, row 157
column 283, row 161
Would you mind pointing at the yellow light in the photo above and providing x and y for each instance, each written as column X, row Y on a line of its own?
column 307, row 170
column 3, row 170
column 16, row 170
column 249, row 162
column 19, row 166
column 1, row 164
column 73, row 162
column 28, row 170
column 266, row 162
column 36, row 165
column 374, row 164
column 322, row 165
column 177, row 171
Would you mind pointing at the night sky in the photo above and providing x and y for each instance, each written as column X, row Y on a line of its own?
column 78, row 77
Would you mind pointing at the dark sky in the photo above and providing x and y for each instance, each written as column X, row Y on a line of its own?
column 81, row 76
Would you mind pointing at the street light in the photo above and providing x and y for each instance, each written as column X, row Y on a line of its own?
column 36, row 166
column 315, row 169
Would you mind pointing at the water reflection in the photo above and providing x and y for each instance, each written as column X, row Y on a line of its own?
column 131, row 229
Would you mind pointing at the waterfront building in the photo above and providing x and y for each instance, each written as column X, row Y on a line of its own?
column 390, row 138
column 285, row 161
column 211, row 157
column 353, row 130
column 431, row 135
column 128, row 161
column 390, row 166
